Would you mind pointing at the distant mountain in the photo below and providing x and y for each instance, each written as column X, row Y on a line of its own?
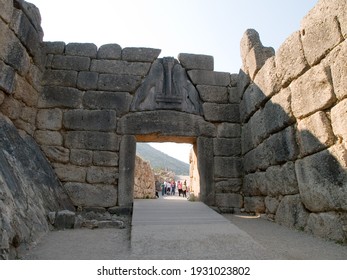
column 160, row 160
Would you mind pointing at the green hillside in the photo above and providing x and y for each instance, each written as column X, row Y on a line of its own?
column 160, row 160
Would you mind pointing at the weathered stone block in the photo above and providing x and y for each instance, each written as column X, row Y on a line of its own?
column 251, row 101
column 29, row 115
column 25, row 92
column 64, row 219
column 291, row 212
column 213, row 94
column 119, row 101
column 229, row 130
column 66, row 78
column 320, row 33
column 81, row 49
column 34, row 77
column 221, row 112
column 6, row 78
column 339, row 120
column 327, row 225
column 312, row 92
column 81, row 157
column 228, row 186
column 150, row 123
column 105, row 158
column 100, row 141
column 243, row 82
column 227, row 147
column 290, row 59
column 120, row 67
column 61, row 97
column 255, row 184
column 277, row 149
column 70, row 173
column 104, row 175
column 281, row 180
column 212, row 78
column 110, row 51
column 322, row 180
column 196, row 61
column 67, row 62
column 6, row 10
column 53, row 47
column 49, row 119
column 87, row 80
column 86, row 195
column 56, row 153
column 50, row 138
column 140, row 54
column 97, row 120
column 229, row 200
column 271, row 204
column 254, row 204
column 228, row 167
column 11, row 108
column 315, row 133
column 339, row 70
column 234, row 96
column 113, row 82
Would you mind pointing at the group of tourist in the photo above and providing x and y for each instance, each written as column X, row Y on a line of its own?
column 170, row 187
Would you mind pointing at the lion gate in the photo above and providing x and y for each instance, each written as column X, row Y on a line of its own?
column 97, row 103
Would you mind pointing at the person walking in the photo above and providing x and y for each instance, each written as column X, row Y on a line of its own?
column 179, row 187
column 173, row 187
column 184, row 188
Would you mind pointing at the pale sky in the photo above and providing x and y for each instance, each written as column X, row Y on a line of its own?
column 212, row 27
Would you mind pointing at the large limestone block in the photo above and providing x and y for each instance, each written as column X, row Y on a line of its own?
column 110, row 51
column 165, row 123
column 338, row 62
column 70, row 173
column 92, row 140
column 312, row 92
column 53, row 47
column 91, row 120
column 291, row 212
column 140, row 54
column 227, row 147
column 339, row 120
column 81, row 49
column 60, row 97
column 254, row 204
column 56, row 153
column 277, row 149
column 101, row 158
column 315, row 133
column 229, row 200
column 87, row 80
column 229, row 130
column 196, row 61
column 24, row 91
column 51, row 119
column 6, row 78
column 86, row 195
column 255, row 184
column 120, row 67
column 271, row 204
column 328, row 225
column 115, row 82
column 251, row 101
column 68, row 62
column 227, row 167
column 213, row 94
column 81, row 157
column 102, row 175
column 229, row 186
column 322, row 179
column 320, row 29
column 210, row 78
column 51, row 138
column 290, row 59
column 6, row 10
column 119, row 101
column 253, row 53
column 221, row 112
column 66, row 78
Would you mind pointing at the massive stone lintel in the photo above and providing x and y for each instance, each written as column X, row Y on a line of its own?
column 167, row 86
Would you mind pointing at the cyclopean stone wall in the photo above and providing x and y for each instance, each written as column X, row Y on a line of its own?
column 270, row 139
column 293, row 113
column 29, row 188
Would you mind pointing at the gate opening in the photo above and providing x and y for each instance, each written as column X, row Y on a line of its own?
column 160, row 163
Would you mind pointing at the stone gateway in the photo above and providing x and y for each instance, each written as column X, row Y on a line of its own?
column 270, row 139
